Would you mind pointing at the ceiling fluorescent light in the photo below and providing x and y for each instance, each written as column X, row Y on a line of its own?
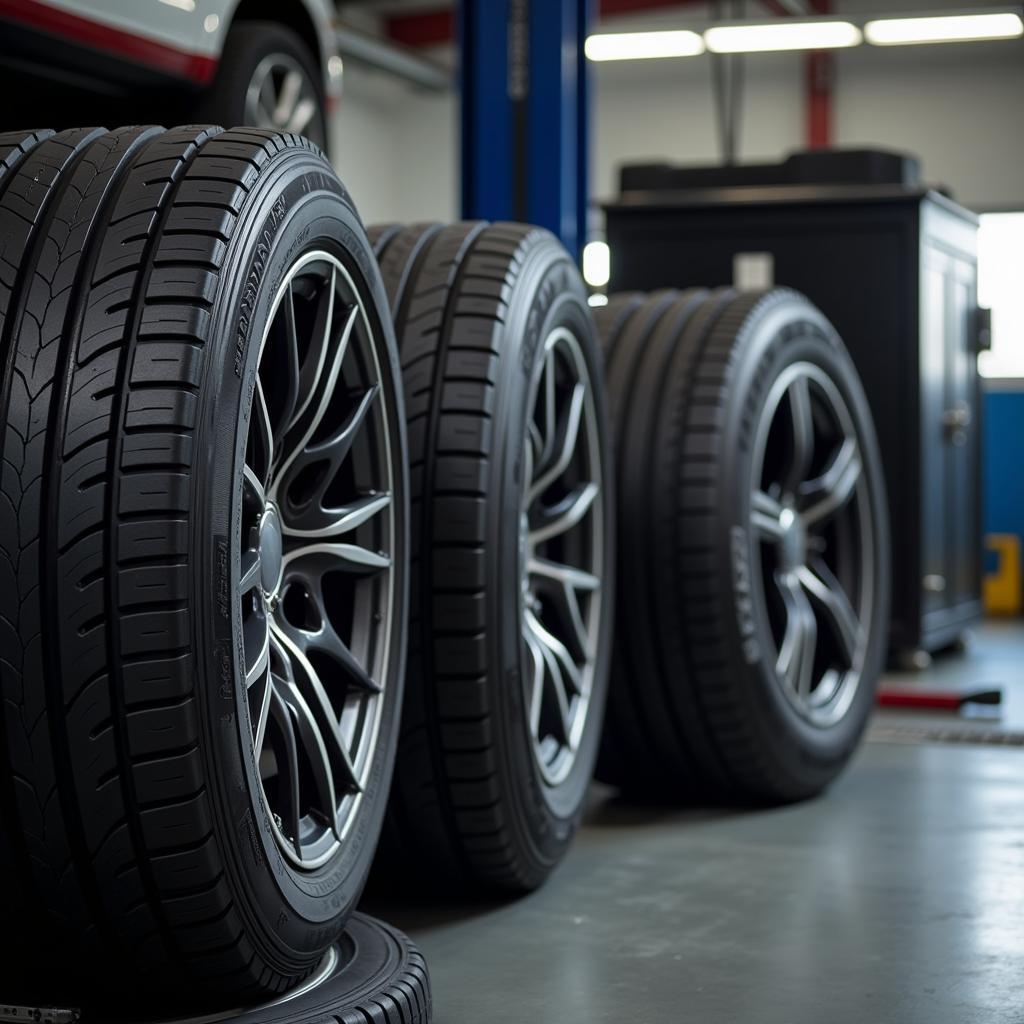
column 952, row 28
column 781, row 35
column 643, row 45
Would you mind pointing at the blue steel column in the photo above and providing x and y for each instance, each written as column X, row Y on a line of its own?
column 525, row 110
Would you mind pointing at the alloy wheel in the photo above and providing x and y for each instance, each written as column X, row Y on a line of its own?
column 316, row 577
column 281, row 97
column 562, row 543
column 811, row 518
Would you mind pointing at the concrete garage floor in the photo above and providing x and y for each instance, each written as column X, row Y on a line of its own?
column 897, row 897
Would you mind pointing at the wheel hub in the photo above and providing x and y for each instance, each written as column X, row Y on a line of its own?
column 792, row 540
column 271, row 551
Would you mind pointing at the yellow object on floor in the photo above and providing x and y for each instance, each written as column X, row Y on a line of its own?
column 1001, row 589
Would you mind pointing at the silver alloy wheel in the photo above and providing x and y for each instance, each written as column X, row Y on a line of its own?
column 316, row 580
column 810, row 516
column 282, row 97
column 561, row 551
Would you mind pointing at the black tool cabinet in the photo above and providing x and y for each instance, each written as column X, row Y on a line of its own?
column 894, row 266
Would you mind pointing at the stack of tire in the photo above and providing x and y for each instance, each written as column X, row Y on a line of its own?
column 251, row 453
column 752, row 551
column 203, row 580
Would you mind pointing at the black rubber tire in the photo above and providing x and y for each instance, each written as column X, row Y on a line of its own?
column 381, row 978
column 473, row 304
column 247, row 44
column 378, row 977
column 695, row 708
column 137, row 272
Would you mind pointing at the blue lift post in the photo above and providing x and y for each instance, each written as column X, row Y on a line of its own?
column 525, row 113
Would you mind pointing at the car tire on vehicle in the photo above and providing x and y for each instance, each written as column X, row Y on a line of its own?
column 512, row 511
column 269, row 78
column 203, row 557
column 753, row 548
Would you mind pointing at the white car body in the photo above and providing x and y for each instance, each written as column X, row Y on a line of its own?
column 181, row 38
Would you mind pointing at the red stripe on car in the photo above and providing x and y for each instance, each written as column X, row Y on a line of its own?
column 91, row 33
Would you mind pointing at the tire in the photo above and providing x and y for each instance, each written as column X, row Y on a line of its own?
column 374, row 975
column 702, row 703
column 264, row 53
column 477, row 799
column 141, row 303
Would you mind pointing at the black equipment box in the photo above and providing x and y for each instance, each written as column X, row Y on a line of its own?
column 893, row 265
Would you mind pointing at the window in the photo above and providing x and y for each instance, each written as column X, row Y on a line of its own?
column 1001, row 288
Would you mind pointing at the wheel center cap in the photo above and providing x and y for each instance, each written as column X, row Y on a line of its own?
column 271, row 551
column 793, row 542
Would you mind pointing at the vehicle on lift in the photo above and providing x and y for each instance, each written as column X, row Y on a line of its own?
column 254, row 62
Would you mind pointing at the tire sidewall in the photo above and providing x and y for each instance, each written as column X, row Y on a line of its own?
column 806, row 754
column 297, row 205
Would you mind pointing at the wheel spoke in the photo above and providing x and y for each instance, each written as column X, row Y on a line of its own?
column 826, row 591
column 352, row 516
column 825, row 495
column 252, row 483
column 287, row 98
column 324, row 730
column 255, row 671
column 312, row 740
column 557, row 519
column 315, row 360
column 561, row 583
column 765, row 512
column 301, row 116
column 537, row 684
column 558, row 650
column 568, row 575
column 802, row 419
column 312, row 413
column 558, row 664
column 308, row 566
column 312, row 518
column 340, row 444
column 267, row 100
column 289, row 790
column 292, row 369
column 252, row 572
column 264, row 433
column 795, row 662
column 259, row 708
column 338, row 557
column 564, row 446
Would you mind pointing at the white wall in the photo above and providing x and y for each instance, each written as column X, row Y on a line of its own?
column 395, row 149
column 959, row 107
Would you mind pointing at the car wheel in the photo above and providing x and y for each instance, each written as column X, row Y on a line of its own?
column 203, row 574
column 267, row 78
column 753, row 546
column 512, row 550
